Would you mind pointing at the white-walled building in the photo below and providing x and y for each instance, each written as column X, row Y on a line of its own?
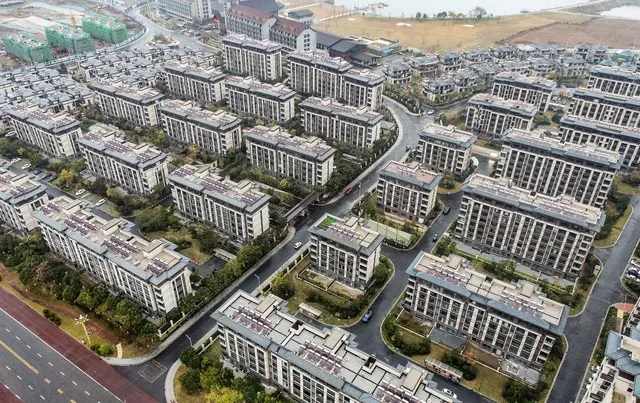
column 250, row 98
column 490, row 115
column 307, row 160
column 55, row 134
column 605, row 107
column 192, row 11
column 151, row 273
column 138, row 105
column 407, row 190
column 614, row 80
column 236, row 209
column 362, row 88
column 137, row 168
column 200, row 83
column 20, row 195
column 216, row 132
column 445, row 149
column 518, row 87
column 244, row 55
column 344, row 250
column 317, row 74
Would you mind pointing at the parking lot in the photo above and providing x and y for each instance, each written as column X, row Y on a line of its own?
column 633, row 271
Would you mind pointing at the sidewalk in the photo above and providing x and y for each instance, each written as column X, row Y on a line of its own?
column 206, row 310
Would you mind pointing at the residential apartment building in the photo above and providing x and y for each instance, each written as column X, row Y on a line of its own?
column 200, row 83
column 605, row 107
column 138, row 105
column 137, row 168
column 572, row 67
column 344, row 250
column 20, row 195
column 55, row 134
column 317, row 74
column 192, row 11
column 514, row 321
column 306, row 160
column 244, row 55
column 250, row 98
column 216, row 132
column 362, row 88
column 492, row 116
column 614, row 80
column 549, row 234
column 293, row 35
column 407, row 190
column 531, row 90
column 397, row 73
column 445, row 149
column 236, row 209
column 426, row 66
column 151, row 273
column 330, row 119
column 258, row 336
column 544, row 164
column 435, row 88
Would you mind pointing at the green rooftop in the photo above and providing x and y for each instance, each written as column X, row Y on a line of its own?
column 326, row 223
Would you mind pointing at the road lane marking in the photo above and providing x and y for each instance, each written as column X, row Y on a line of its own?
column 41, row 397
column 72, row 401
column 74, row 382
column 9, row 331
column 28, row 346
column 60, row 391
column 8, row 367
column 22, row 360
column 30, row 387
column 39, row 355
column 18, row 338
column 87, row 393
column 50, row 364
column 47, row 380
column 19, row 377
column 62, row 373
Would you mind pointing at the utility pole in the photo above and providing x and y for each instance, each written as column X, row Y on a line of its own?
column 82, row 320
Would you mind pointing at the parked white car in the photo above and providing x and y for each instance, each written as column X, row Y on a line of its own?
column 80, row 192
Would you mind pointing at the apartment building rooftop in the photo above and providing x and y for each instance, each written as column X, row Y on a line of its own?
column 321, row 59
column 595, row 125
column 142, row 95
column 25, row 40
column 412, row 173
column 68, row 31
column 492, row 101
column 347, row 232
column 220, row 119
column 154, row 261
column 552, row 145
column 49, row 121
column 249, row 13
column 328, row 354
column 449, row 134
column 366, row 77
column 523, row 300
column 248, row 42
column 279, row 90
column 204, row 179
column 110, row 141
column 615, row 71
column 18, row 188
column 107, row 22
column 601, row 96
column 289, row 26
column 537, row 82
column 210, row 73
column 311, row 146
column 563, row 208
column 330, row 105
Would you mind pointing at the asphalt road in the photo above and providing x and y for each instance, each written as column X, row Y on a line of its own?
column 35, row 372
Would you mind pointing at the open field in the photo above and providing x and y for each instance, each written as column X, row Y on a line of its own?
column 442, row 35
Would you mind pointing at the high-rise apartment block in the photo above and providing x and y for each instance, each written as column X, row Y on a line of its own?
column 407, row 190
column 307, row 160
column 518, row 87
column 514, row 321
column 250, row 98
column 200, row 83
column 549, row 166
column 244, row 55
column 192, row 11
column 20, row 195
column 490, row 115
column 614, row 80
column 330, row 119
column 236, row 209
column 606, row 108
column 151, row 273
column 549, row 234
column 362, row 88
column 344, row 250
column 216, row 132
column 445, row 149
column 138, row 105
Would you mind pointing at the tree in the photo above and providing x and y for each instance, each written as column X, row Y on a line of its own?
column 66, row 177
column 250, row 387
column 190, row 380
column 86, row 299
column 190, row 358
column 282, row 286
column 216, row 376
column 224, row 395
column 42, row 274
column 418, row 15
column 70, row 292
column 99, row 187
column 478, row 12
column 158, row 218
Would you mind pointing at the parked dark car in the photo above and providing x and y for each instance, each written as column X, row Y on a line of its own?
column 446, row 210
column 367, row 316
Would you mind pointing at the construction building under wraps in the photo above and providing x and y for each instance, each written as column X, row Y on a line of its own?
column 73, row 39
column 105, row 29
column 27, row 48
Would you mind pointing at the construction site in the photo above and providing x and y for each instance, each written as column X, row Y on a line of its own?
column 72, row 39
column 27, row 48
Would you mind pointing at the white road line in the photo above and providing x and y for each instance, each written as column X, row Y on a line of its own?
column 62, row 373
column 39, row 355
column 74, row 382
column 41, row 397
column 30, row 387
column 6, row 387
column 19, row 377
column 18, row 338
column 50, row 364
column 28, row 346
column 8, row 367
column 7, row 330
column 18, row 397
column 87, row 393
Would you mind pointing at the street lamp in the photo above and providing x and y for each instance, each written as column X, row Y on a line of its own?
column 81, row 320
column 190, row 342
column 258, row 277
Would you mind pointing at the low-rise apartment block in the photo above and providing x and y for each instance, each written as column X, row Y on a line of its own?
column 137, row 168
column 426, row 66
column 192, row 11
column 236, row 209
column 20, row 195
column 317, row 74
column 151, row 273
column 134, row 104
column 259, row 337
column 55, row 134
column 362, row 88
column 435, row 88
column 606, row 108
column 397, row 73
column 200, row 83
column 445, row 149
column 614, row 80
column 549, row 234
column 516, row 322
column 407, row 190
column 244, row 55
column 531, row 90
column 307, row 160
column 549, row 166
column 344, row 250
column 293, row 35
column 330, row 119
column 250, row 98
column 490, row 115
column 216, row 132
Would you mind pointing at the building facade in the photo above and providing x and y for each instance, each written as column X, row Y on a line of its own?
column 244, row 55
column 193, row 11
column 317, row 74
column 490, row 115
column 530, row 90
column 250, row 98
column 200, row 83
column 306, row 160
column 236, row 209
column 605, row 108
column 151, row 273
column 614, row 80
column 20, row 195
column 362, row 88
column 344, row 250
column 445, row 149
column 134, row 104
column 552, row 235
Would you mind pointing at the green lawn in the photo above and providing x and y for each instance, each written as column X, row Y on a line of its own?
column 193, row 252
column 615, row 231
column 488, row 382
column 457, row 186
column 624, row 187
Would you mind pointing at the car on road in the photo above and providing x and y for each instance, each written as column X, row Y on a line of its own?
column 26, row 166
column 435, row 237
column 367, row 316
column 446, row 210
column 431, row 112
column 100, row 202
column 450, row 393
column 297, row 245
column 348, row 191
column 80, row 192
column 13, row 161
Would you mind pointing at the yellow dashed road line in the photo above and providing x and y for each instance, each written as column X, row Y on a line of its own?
column 22, row 360
column 47, row 380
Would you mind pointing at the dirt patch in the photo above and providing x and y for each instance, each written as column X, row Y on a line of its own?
column 610, row 32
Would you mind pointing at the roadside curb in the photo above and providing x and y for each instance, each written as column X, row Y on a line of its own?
column 564, row 356
column 169, row 392
column 621, row 231
column 586, row 299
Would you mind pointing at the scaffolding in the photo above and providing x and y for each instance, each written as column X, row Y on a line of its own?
column 105, row 29
column 72, row 39
column 27, row 48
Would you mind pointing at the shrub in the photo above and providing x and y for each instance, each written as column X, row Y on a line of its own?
column 458, row 361
column 102, row 350
column 52, row 316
